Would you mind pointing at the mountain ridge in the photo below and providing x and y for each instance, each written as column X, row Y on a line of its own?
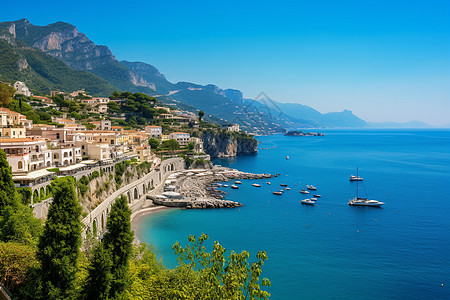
column 63, row 41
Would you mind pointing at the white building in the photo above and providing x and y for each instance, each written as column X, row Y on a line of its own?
column 66, row 155
column 181, row 137
column 21, row 88
column 155, row 131
column 198, row 144
column 26, row 154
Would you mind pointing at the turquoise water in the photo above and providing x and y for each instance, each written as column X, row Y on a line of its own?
column 332, row 250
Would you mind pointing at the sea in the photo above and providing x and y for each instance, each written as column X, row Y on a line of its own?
column 333, row 250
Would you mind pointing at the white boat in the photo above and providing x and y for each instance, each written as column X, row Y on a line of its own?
column 237, row 182
column 278, row 193
column 317, row 196
column 359, row 201
column 304, row 191
column 313, row 199
column 357, row 177
column 308, row 202
column 255, row 184
column 268, row 183
column 311, row 187
column 225, row 185
column 287, row 189
column 234, row 187
column 287, row 156
column 365, row 202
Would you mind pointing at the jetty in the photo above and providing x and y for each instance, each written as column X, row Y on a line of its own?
column 198, row 188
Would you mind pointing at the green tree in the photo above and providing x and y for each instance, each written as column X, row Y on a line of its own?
column 171, row 144
column 201, row 114
column 59, row 246
column 190, row 145
column 154, row 143
column 98, row 283
column 113, row 107
column 15, row 261
column 218, row 276
column 6, row 94
column 18, row 224
column 7, row 189
column 118, row 240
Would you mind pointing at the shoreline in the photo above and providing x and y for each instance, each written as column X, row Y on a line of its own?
column 138, row 215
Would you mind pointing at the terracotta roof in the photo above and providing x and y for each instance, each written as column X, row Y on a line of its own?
column 151, row 126
column 180, row 133
column 18, row 140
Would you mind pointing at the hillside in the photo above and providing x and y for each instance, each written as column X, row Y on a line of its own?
column 65, row 42
column 43, row 73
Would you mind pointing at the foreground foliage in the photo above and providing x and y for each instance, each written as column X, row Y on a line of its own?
column 37, row 263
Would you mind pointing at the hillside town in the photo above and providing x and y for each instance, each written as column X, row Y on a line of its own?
column 39, row 152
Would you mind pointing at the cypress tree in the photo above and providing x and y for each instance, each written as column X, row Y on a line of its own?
column 118, row 240
column 7, row 189
column 59, row 246
column 99, row 279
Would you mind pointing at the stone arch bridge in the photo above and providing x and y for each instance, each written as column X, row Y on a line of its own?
column 135, row 193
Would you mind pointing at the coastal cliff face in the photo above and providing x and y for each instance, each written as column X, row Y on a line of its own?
column 227, row 145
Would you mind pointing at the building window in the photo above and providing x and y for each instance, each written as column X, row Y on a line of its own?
column 19, row 165
column 112, row 142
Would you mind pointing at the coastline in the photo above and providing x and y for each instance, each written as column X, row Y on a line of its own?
column 136, row 218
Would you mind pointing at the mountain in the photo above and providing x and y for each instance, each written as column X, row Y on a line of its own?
column 42, row 72
column 63, row 41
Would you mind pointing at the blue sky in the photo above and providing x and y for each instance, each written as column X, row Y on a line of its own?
column 384, row 60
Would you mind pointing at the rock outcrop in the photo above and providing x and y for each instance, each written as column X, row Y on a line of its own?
column 220, row 144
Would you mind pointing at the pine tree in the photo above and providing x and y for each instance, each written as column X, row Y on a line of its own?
column 99, row 279
column 59, row 246
column 7, row 189
column 118, row 240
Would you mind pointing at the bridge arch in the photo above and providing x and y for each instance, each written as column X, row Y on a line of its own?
column 103, row 222
column 136, row 193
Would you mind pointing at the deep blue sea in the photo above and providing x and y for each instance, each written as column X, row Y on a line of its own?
column 332, row 250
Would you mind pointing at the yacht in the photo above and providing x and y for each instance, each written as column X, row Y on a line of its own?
column 255, row 184
column 365, row 202
column 225, row 185
column 357, row 177
column 283, row 184
column 287, row 156
column 311, row 187
column 304, row 191
column 278, row 193
column 237, row 182
column 234, row 187
column 308, row 202
column 317, row 196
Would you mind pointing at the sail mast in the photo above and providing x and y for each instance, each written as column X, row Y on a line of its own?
column 357, row 175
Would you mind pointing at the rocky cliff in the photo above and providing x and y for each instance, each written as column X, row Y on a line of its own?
column 65, row 42
column 219, row 144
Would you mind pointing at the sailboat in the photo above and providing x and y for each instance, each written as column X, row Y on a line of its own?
column 359, row 201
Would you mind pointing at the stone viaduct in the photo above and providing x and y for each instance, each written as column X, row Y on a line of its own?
column 136, row 192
